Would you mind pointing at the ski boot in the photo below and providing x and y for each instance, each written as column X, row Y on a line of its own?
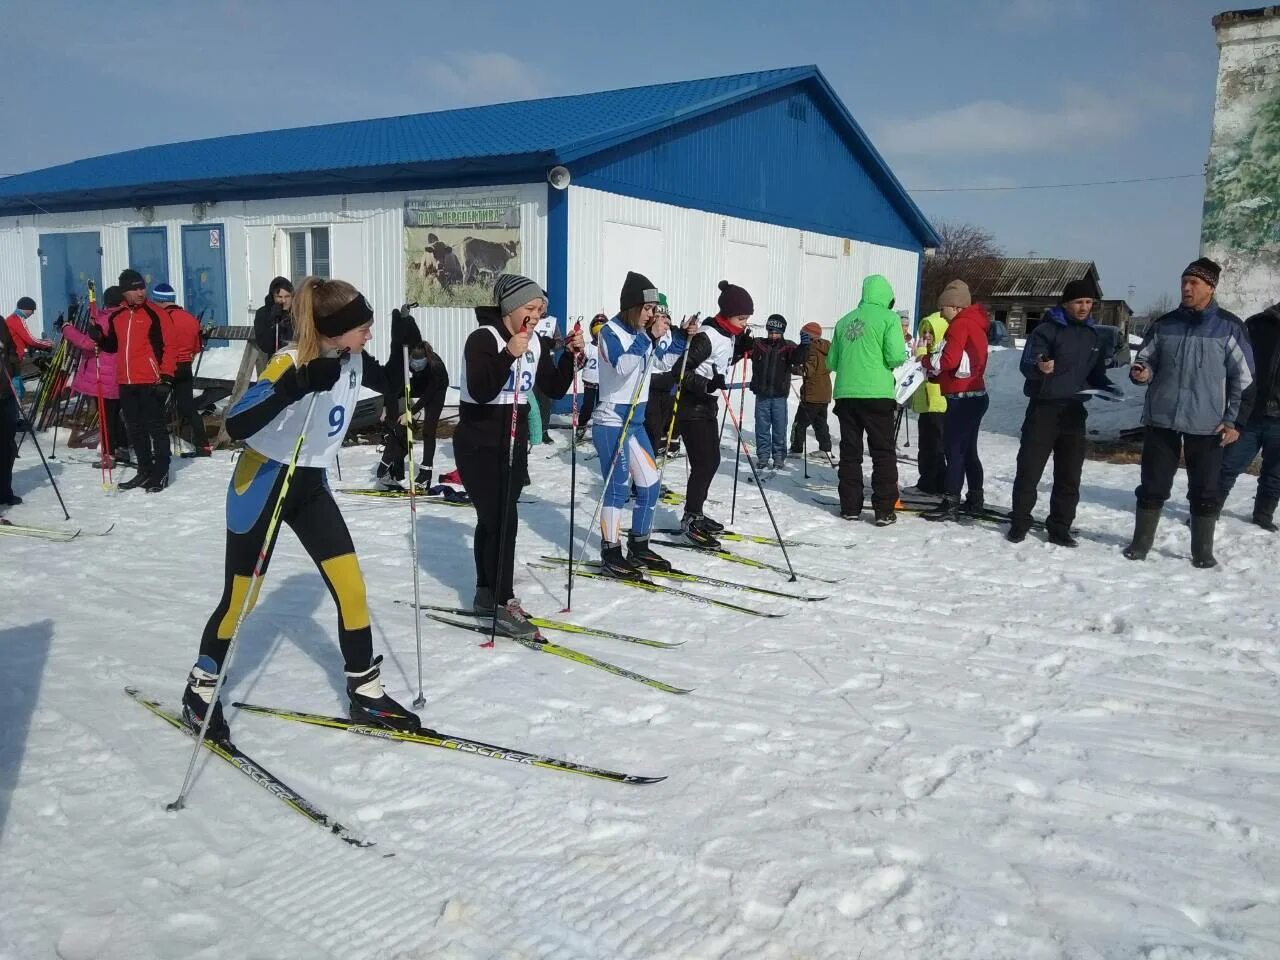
column 696, row 534
column 157, row 482
column 641, row 555
column 947, row 509
column 368, row 703
column 614, row 564
column 973, row 504
column 707, row 525
column 197, row 697
column 383, row 480
column 885, row 519
column 513, row 621
column 139, row 479
column 423, row 480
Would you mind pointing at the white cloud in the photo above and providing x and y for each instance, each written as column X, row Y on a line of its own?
column 468, row 78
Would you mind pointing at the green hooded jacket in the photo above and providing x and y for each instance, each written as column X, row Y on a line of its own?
column 867, row 345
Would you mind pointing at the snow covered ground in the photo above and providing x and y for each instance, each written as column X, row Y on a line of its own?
column 972, row 750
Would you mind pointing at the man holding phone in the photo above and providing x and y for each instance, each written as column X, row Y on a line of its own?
column 1196, row 363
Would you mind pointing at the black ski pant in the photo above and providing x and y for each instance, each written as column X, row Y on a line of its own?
column 487, row 480
column 1161, row 451
column 310, row 511
column 658, row 411
column 932, row 459
column 590, row 394
column 1050, row 428
column 811, row 415
column 960, row 441
column 874, row 417
column 184, row 403
column 9, row 420
column 702, row 448
column 395, row 442
column 143, row 411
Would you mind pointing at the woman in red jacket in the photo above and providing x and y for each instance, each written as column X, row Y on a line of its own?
column 959, row 371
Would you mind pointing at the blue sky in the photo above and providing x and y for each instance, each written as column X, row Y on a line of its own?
column 977, row 93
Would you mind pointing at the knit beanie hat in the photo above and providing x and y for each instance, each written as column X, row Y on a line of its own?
column 1079, row 290
column 1205, row 269
column 111, row 297
column 636, row 291
column 776, row 323
column 598, row 321
column 734, row 301
column 163, row 293
column 812, row 329
column 512, row 291
column 131, row 280
column 955, row 294
column 26, row 303
column 662, row 307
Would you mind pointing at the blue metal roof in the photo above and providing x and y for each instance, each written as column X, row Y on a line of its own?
column 450, row 147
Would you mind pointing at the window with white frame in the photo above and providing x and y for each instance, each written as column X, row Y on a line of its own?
column 308, row 253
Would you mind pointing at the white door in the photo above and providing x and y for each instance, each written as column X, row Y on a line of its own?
column 628, row 247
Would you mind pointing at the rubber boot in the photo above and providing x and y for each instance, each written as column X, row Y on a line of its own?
column 1264, row 513
column 1202, row 529
column 1146, row 519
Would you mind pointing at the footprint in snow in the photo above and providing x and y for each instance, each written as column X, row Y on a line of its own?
column 875, row 892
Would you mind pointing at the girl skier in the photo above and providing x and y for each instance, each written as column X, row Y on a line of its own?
column 626, row 456
column 502, row 359
column 333, row 323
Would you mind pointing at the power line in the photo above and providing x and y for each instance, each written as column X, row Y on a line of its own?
column 1051, row 186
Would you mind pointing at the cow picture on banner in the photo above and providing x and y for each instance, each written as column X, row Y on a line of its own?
column 455, row 248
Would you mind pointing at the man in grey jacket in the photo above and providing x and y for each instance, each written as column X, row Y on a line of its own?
column 1196, row 364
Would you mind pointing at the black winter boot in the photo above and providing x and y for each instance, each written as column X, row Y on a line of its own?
column 973, row 503
column 641, row 555
column 1145, row 521
column 369, row 703
column 1202, row 529
column 948, row 509
column 1017, row 532
column 139, row 479
column 1264, row 513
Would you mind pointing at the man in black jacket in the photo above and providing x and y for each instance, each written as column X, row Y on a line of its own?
column 273, row 323
column 1259, row 421
column 1062, row 356
column 771, row 362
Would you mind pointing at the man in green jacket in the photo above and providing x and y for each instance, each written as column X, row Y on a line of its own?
column 928, row 402
column 865, row 348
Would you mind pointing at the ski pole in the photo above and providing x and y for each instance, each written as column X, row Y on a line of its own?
column 250, row 598
column 421, row 700
column 506, row 492
column 573, row 472
column 737, row 423
column 34, row 439
column 104, row 438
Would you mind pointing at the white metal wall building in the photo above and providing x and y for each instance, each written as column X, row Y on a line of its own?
column 762, row 179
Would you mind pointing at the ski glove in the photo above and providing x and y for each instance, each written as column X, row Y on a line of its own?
column 315, row 377
column 164, row 387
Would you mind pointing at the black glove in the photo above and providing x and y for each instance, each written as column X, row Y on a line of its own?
column 95, row 333
column 164, row 387
column 314, row 377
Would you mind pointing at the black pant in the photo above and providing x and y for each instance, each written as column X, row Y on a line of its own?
column 487, row 480
column 1161, row 449
column 960, row 441
column 116, row 437
column 811, row 415
column 311, row 513
column 875, row 418
column 1057, row 428
column 9, row 420
column 590, row 394
column 184, row 402
column 658, row 411
column 395, row 447
column 702, row 447
column 932, row 461
column 143, row 413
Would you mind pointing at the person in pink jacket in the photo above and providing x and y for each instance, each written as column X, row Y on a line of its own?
column 96, row 375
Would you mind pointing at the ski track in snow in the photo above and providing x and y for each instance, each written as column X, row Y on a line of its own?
column 973, row 750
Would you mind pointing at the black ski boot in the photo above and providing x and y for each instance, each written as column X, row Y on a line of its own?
column 369, row 703
column 641, row 555
column 157, row 482
column 1017, row 531
column 696, row 535
column 1202, row 530
column 973, row 503
column 886, row 519
column 614, row 564
column 1145, row 521
column 947, row 509
column 423, row 480
column 1061, row 538
column 707, row 525
column 139, row 479
column 196, row 698
column 384, row 480
column 1264, row 513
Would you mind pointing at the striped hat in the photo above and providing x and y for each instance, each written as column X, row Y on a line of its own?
column 163, row 293
column 512, row 291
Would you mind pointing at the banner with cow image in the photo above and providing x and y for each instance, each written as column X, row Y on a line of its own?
column 455, row 248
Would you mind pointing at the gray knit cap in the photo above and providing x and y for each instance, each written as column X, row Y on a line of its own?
column 512, row 291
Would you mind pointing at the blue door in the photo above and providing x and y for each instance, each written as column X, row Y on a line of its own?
column 149, row 254
column 68, row 261
column 204, row 273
